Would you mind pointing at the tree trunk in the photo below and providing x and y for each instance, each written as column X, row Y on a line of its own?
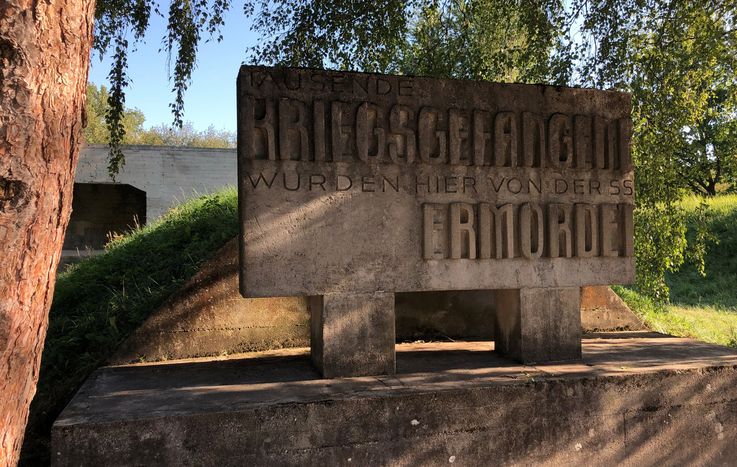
column 44, row 61
column 711, row 189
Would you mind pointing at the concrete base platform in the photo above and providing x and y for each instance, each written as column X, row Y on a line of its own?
column 637, row 399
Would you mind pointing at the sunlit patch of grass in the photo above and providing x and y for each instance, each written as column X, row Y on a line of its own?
column 721, row 203
column 702, row 307
column 719, row 288
column 706, row 323
column 711, row 324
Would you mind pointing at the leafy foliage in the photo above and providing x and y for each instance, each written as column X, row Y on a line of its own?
column 483, row 40
column 101, row 300
column 187, row 136
column 708, row 157
column 688, row 286
column 703, row 303
column 704, row 308
column 97, row 131
column 115, row 20
column 672, row 56
column 342, row 34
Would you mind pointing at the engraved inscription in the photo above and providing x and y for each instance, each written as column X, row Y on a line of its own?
column 376, row 133
column 493, row 185
column 484, row 231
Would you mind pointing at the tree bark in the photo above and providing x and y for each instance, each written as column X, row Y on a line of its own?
column 44, row 61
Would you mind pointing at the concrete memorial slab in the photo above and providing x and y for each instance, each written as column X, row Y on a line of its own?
column 356, row 186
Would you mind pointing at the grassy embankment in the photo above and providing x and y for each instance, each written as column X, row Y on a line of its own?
column 101, row 300
column 701, row 307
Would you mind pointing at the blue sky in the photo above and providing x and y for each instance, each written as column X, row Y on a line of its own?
column 210, row 100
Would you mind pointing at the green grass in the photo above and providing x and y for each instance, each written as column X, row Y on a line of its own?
column 100, row 301
column 707, row 324
column 701, row 307
column 719, row 288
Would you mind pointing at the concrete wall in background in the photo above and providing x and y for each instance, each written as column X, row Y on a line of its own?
column 100, row 209
column 153, row 180
column 168, row 175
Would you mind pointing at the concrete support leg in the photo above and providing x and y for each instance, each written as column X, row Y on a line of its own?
column 353, row 334
column 539, row 325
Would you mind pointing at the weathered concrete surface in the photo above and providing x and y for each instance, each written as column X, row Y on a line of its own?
column 467, row 314
column 153, row 180
column 169, row 175
column 632, row 401
column 352, row 334
column 539, row 325
column 353, row 183
column 100, row 211
column 208, row 317
column 603, row 310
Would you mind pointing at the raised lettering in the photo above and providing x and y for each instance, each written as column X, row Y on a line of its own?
column 402, row 142
column 462, row 231
column 481, row 137
column 587, row 232
column 433, row 141
column 458, row 128
column 582, row 141
column 293, row 130
column 339, row 131
column 496, row 241
column 560, row 148
column 623, row 144
column 369, row 134
column 605, row 137
column 609, row 229
column 433, row 226
column 533, row 137
column 531, row 230
column 260, row 138
column 559, row 231
column 505, row 139
column 627, row 230
column 318, row 123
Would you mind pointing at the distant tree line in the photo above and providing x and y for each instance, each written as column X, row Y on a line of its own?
column 98, row 132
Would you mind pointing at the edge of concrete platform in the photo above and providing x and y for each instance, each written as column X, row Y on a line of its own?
column 615, row 409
